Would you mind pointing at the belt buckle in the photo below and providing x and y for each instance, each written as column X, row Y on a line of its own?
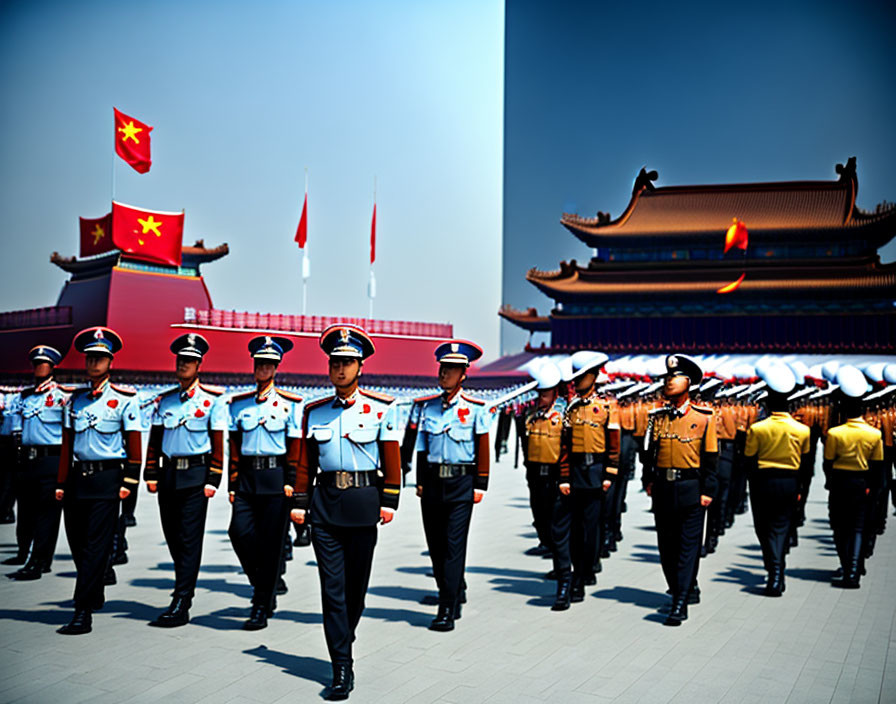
column 32, row 453
column 671, row 475
column 182, row 463
column 444, row 471
column 87, row 469
column 544, row 471
column 343, row 480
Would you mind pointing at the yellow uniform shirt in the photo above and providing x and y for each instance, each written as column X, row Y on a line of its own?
column 544, row 430
column 589, row 420
column 853, row 445
column 778, row 442
column 683, row 438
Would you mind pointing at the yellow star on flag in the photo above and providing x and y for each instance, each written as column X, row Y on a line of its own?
column 130, row 131
column 150, row 225
column 98, row 233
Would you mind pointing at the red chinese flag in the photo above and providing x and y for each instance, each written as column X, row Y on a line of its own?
column 373, row 236
column 302, row 229
column 152, row 235
column 96, row 235
column 132, row 141
column 736, row 236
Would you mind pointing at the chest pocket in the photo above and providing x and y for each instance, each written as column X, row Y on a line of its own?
column 363, row 436
column 197, row 425
column 50, row 414
column 108, row 425
column 321, row 433
column 170, row 420
column 461, row 432
column 247, row 420
column 433, row 425
column 275, row 424
column 81, row 422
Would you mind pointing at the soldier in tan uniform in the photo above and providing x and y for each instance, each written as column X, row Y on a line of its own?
column 591, row 441
column 680, row 477
column 853, row 464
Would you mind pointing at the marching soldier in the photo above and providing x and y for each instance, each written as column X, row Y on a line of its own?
column 39, row 418
column 591, row 440
column 265, row 426
column 350, row 443
column 99, row 465
column 452, row 473
column 184, row 461
column 777, row 459
column 679, row 475
column 545, row 460
column 853, row 465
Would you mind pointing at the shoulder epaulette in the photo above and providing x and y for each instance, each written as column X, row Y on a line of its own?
column 385, row 398
column 472, row 399
column 289, row 395
column 242, row 395
column 124, row 390
column 423, row 399
column 318, row 402
column 213, row 390
column 166, row 392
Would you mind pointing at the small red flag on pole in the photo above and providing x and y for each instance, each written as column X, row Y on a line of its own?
column 132, row 141
column 302, row 229
column 373, row 236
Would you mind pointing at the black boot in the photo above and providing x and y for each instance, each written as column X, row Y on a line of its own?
column 178, row 614
column 561, row 603
column 32, row 570
column 678, row 613
column 281, row 587
column 774, row 586
column 444, row 620
column 109, row 578
column 343, row 683
column 694, row 595
column 258, row 619
column 80, row 624
column 577, row 591
column 852, row 569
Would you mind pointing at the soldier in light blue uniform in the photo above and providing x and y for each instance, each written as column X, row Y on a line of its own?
column 184, row 461
column 265, row 426
column 350, row 444
column 452, row 472
column 38, row 415
column 99, row 466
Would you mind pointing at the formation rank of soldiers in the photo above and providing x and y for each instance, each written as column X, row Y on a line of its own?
column 337, row 465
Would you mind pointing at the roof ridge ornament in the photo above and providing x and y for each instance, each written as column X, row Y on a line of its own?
column 644, row 181
column 848, row 173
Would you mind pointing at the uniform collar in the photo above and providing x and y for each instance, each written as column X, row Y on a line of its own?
column 448, row 401
column 99, row 390
column 265, row 393
column 47, row 384
column 589, row 398
column 346, row 402
column 781, row 414
column 857, row 419
column 190, row 391
column 679, row 411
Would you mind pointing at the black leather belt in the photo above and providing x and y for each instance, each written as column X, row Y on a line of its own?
column 188, row 461
column 587, row 458
column 33, row 452
column 263, row 461
column 451, row 471
column 347, row 480
column 87, row 469
column 674, row 475
column 542, row 469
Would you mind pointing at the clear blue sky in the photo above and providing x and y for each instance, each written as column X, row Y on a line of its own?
column 702, row 92
column 243, row 96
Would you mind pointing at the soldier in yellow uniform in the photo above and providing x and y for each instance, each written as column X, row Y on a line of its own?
column 776, row 458
column 680, row 477
column 591, row 438
column 853, row 464
column 545, row 460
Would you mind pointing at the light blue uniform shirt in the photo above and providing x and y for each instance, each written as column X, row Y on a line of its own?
column 99, row 422
column 41, row 414
column 12, row 421
column 187, row 417
column 347, row 432
column 265, row 424
column 446, row 432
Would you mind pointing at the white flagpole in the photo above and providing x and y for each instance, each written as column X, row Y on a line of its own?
column 306, row 264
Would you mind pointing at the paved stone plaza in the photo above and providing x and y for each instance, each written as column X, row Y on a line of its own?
column 816, row 644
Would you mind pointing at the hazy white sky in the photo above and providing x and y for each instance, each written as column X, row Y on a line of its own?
column 242, row 98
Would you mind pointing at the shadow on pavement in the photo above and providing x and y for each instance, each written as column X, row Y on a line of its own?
column 49, row 617
column 812, row 574
column 404, row 593
column 644, row 556
column 749, row 580
column 218, row 569
column 631, row 595
column 306, row 668
column 413, row 618
column 213, row 585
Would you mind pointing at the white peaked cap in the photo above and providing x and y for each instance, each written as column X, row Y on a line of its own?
column 829, row 369
column 779, row 377
column 547, row 374
column 890, row 373
column 851, row 381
